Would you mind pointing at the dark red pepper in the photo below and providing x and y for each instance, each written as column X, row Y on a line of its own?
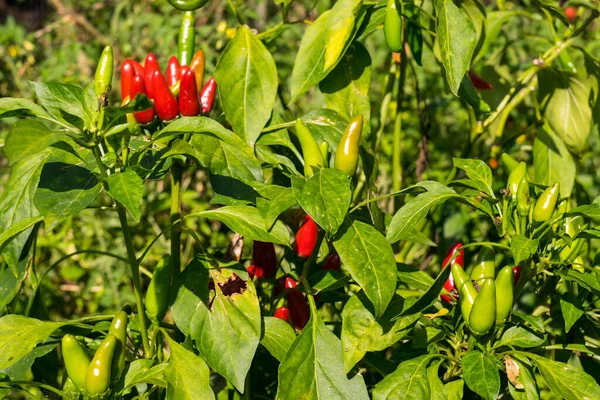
column 283, row 313
column 127, row 74
column 138, row 86
column 306, row 237
column 264, row 258
column 478, row 82
column 164, row 101
column 298, row 305
column 189, row 103
column 207, row 95
column 516, row 274
column 173, row 72
column 150, row 67
column 279, row 285
column 450, row 286
column 332, row 262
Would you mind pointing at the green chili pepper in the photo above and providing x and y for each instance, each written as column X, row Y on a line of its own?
column 484, row 265
column 514, row 179
column 523, row 203
column 310, row 149
column 157, row 294
column 504, row 293
column 187, row 5
column 104, row 72
column 466, row 291
column 573, row 225
column 98, row 376
column 325, row 152
column 467, row 92
column 508, row 163
column 118, row 328
column 546, row 203
column 187, row 38
column 76, row 360
column 483, row 313
column 346, row 155
column 392, row 26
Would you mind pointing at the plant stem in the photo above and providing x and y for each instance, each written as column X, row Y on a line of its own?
column 397, row 152
column 176, row 176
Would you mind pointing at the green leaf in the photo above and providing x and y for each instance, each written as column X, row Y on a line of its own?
column 325, row 196
column 142, row 371
column 481, row 374
column 18, row 371
column 455, row 389
column 12, row 107
column 128, row 189
column 369, row 259
column 341, row 28
column 187, row 375
column 409, row 381
column 327, row 280
column 11, row 233
column 29, row 137
column 436, row 387
column 553, row 162
column 430, row 296
column 527, row 387
column 414, row 34
column 248, row 222
column 565, row 101
column 346, row 88
column 457, row 39
column 534, row 321
column 414, row 277
column 362, row 332
column 275, row 200
column 66, row 187
column 591, row 211
column 19, row 335
column 278, row 337
column 313, row 367
column 247, row 82
column 405, row 220
column 10, row 281
column 62, row 101
column 572, row 310
column 523, row 248
column 477, row 170
column 565, row 380
column 226, row 329
column 326, row 125
column 309, row 67
column 520, row 337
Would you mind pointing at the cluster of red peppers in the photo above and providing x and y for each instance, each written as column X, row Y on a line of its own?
column 177, row 91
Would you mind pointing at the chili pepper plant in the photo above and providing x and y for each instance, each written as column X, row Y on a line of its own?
column 344, row 246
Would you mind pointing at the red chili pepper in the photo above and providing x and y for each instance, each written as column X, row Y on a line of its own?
column 254, row 272
column 207, row 95
column 189, row 103
column 516, row 274
column 173, row 72
column 139, row 70
column 127, row 74
column 306, row 237
column 164, row 101
column 138, row 86
column 332, row 262
column 450, row 286
column 150, row 67
column 283, row 313
column 571, row 13
column 298, row 306
column 264, row 258
column 478, row 82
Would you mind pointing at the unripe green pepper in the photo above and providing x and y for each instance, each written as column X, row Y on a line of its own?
column 157, row 294
column 98, row 376
column 187, row 38
column 523, row 202
column 392, row 26
column 546, row 203
column 118, row 328
column 504, row 293
column 310, row 149
column 483, row 313
column 467, row 92
column 515, row 178
column 187, row 5
column 76, row 360
column 573, row 225
column 508, row 163
column 466, row 291
column 346, row 155
column 104, row 72
column 325, row 152
column 484, row 265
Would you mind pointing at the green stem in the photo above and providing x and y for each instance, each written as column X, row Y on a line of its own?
column 397, row 151
column 176, row 176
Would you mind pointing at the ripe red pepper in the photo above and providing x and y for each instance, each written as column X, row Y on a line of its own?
column 189, row 103
column 173, row 71
column 138, row 86
column 150, row 67
column 197, row 65
column 306, row 237
column 283, row 313
column 207, row 95
column 478, row 82
column 516, row 274
column 450, row 286
column 164, row 101
column 139, row 70
column 264, row 259
column 332, row 262
column 571, row 13
column 127, row 74
column 253, row 272
column 298, row 305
